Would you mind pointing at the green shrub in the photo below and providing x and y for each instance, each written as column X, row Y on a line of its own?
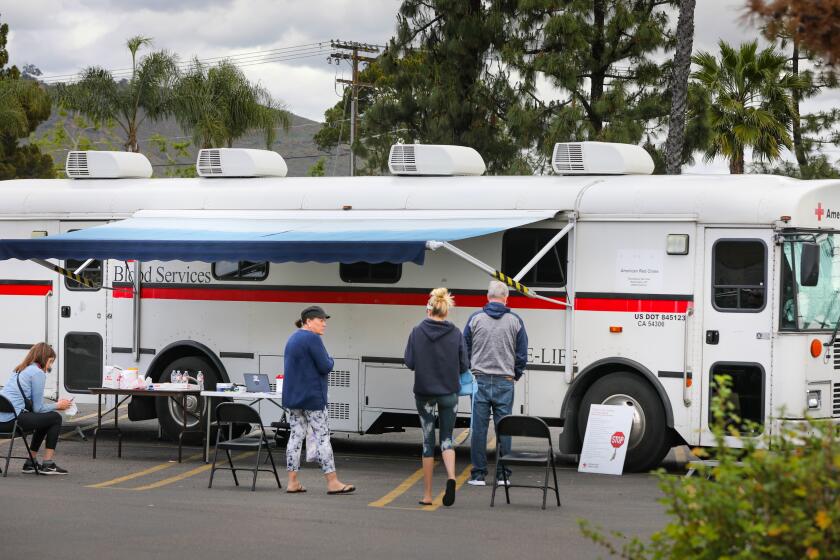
column 777, row 497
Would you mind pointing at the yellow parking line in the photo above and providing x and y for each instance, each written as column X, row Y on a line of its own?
column 184, row 475
column 411, row 480
column 399, row 490
column 138, row 474
column 85, row 417
column 91, row 426
column 438, row 501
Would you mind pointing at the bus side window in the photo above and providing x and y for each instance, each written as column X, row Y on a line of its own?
column 92, row 273
column 520, row 245
column 370, row 273
column 240, row 270
column 739, row 270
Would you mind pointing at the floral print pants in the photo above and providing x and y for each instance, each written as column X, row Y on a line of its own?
column 318, row 420
column 447, row 409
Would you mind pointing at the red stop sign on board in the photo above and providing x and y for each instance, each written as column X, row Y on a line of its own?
column 617, row 439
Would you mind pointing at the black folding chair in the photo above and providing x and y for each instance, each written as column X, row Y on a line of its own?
column 228, row 414
column 525, row 426
column 17, row 431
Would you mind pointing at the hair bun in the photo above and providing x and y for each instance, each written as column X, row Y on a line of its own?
column 440, row 293
column 440, row 302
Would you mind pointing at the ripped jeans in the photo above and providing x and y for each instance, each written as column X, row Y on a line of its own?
column 447, row 409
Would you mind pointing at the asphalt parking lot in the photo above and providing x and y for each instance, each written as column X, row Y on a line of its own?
column 146, row 505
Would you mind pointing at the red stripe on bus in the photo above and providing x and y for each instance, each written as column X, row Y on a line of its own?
column 24, row 289
column 394, row 298
column 632, row 305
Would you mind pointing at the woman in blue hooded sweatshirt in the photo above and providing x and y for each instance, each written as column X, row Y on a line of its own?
column 307, row 369
column 437, row 353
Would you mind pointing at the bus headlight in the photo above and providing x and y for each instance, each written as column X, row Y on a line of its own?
column 814, row 399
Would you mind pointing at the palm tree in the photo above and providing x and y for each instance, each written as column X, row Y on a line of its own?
column 679, row 87
column 146, row 95
column 218, row 105
column 751, row 104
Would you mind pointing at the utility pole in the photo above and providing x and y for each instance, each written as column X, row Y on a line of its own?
column 349, row 50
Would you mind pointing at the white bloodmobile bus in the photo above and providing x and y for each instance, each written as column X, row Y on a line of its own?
column 640, row 288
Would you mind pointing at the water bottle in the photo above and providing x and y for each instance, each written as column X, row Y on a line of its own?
column 199, row 378
column 176, row 377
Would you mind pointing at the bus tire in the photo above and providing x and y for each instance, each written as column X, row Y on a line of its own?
column 169, row 411
column 649, row 439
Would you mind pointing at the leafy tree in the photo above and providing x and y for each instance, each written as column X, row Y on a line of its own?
column 11, row 72
column 318, row 169
column 24, row 104
column 73, row 131
column 437, row 85
column 679, row 87
column 778, row 497
column 218, row 105
column 809, row 131
column 173, row 152
column 815, row 24
column 818, row 167
column 599, row 55
column 146, row 95
column 750, row 102
column 373, row 139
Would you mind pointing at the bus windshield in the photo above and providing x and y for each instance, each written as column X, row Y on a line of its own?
column 811, row 307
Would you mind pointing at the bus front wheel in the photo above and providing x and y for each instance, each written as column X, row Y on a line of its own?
column 648, row 442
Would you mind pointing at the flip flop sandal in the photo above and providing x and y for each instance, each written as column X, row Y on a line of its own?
column 348, row 489
column 300, row 490
column 422, row 503
column 449, row 495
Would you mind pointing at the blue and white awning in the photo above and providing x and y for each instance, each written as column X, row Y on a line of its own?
column 275, row 236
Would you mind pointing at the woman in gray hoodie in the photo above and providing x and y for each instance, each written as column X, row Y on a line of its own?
column 437, row 353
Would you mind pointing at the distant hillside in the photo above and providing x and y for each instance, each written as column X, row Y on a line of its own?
column 296, row 145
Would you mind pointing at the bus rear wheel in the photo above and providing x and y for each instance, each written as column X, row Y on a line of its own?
column 648, row 442
column 169, row 411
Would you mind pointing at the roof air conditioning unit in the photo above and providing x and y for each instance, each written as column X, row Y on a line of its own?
column 107, row 165
column 239, row 162
column 600, row 158
column 430, row 159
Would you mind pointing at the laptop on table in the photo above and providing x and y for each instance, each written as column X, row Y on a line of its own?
column 257, row 383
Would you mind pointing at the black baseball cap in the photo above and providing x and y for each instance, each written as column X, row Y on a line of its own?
column 312, row 312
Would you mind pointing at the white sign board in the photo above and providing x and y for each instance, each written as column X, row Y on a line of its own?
column 639, row 270
column 605, row 441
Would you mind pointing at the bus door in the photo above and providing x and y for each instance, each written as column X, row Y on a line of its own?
column 737, row 324
column 81, row 325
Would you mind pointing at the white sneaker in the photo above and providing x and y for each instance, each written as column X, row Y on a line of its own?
column 502, row 482
column 476, row 482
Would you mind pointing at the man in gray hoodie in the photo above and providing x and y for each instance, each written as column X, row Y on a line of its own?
column 497, row 345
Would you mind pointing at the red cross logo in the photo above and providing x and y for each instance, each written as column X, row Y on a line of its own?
column 819, row 212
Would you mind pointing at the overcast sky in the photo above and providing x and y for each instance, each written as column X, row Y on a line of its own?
column 62, row 37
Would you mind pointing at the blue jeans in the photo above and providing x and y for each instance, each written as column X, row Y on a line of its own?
column 495, row 393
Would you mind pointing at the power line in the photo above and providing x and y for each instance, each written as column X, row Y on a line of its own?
column 294, row 52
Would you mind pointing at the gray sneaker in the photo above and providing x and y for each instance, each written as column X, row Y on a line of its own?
column 50, row 468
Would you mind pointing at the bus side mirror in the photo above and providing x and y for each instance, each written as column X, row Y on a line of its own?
column 809, row 268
